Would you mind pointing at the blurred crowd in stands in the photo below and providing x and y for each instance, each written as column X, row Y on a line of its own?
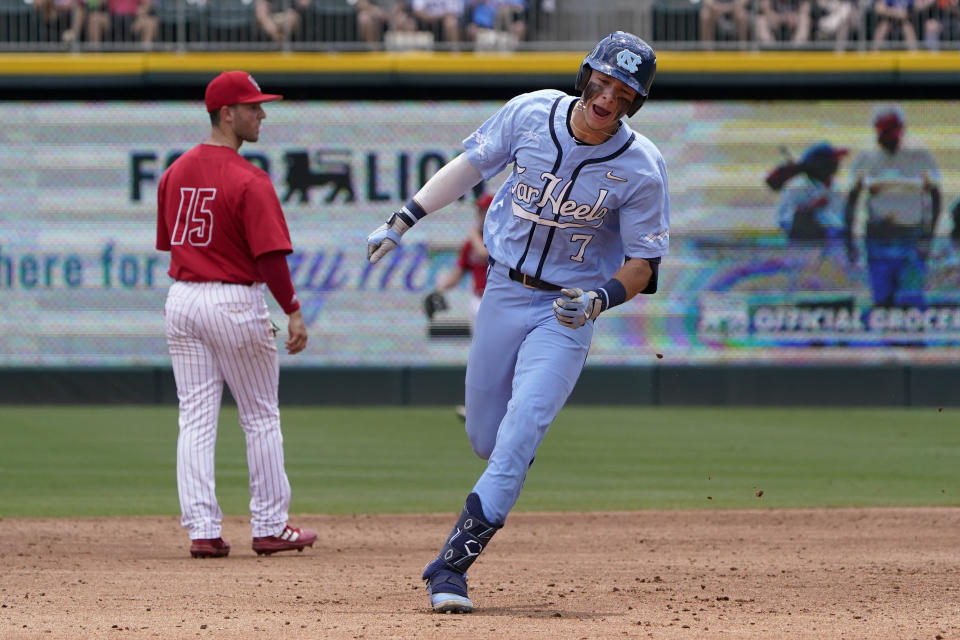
column 474, row 24
column 876, row 24
column 486, row 24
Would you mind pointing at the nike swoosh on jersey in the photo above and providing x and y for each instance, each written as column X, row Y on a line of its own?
column 613, row 177
column 520, row 212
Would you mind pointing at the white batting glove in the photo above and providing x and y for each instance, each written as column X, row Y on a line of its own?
column 575, row 307
column 385, row 238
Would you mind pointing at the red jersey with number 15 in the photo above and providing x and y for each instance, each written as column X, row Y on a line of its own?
column 216, row 214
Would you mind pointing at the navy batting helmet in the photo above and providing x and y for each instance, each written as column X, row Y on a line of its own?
column 821, row 160
column 627, row 58
column 822, row 150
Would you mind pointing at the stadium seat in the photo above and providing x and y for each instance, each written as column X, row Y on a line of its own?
column 18, row 21
column 676, row 20
column 330, row 21
column 180, row 20
column 231, row 21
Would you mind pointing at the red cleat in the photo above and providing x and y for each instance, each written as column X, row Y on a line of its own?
column 289, row 539
column 209, row 548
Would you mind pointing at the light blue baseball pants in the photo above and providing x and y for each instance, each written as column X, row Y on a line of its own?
column 523, row 364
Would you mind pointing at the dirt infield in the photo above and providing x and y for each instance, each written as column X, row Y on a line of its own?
column 839, row 573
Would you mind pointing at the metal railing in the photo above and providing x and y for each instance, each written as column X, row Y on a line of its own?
column 351, row 25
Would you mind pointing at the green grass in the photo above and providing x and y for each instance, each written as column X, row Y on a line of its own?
column 102, row 461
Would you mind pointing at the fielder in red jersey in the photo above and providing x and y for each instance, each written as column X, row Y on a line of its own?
column 218, row 232
column 473, row 259
column 221, row 220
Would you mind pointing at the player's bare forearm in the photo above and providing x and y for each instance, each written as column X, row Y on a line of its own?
column 936, row 204
column 849, row 215
column 476, row 242
column 851, row 208
column 634, row 275
column 296, row 333
column 450, row 279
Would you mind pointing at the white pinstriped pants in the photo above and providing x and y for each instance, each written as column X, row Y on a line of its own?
column 220, row 333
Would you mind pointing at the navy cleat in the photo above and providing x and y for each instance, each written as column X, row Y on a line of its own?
column 447, row 589
column 446, row 576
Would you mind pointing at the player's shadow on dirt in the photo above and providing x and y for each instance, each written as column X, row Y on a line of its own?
column 544, row 611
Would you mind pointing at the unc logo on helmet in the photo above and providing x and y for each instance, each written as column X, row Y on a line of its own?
column 627, row 58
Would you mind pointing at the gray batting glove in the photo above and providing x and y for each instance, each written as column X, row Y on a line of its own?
column 575, row 307
column 385, row 238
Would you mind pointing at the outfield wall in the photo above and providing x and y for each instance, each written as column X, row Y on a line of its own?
column 662, row 385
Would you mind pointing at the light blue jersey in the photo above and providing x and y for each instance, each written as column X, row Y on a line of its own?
column 568, row 213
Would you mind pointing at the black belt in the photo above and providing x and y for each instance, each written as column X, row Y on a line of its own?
column 529, row 281
column 532, row 283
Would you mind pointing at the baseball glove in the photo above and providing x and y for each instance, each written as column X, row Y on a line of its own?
column 433, row 303
column 779, row 175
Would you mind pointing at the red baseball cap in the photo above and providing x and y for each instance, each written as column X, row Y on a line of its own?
column 888, row 119
column 234, row 87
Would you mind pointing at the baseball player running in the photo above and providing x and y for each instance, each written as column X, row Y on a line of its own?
column 220, row 218
column 578, row 227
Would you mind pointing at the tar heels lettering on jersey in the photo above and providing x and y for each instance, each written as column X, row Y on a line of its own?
column 559, row 205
